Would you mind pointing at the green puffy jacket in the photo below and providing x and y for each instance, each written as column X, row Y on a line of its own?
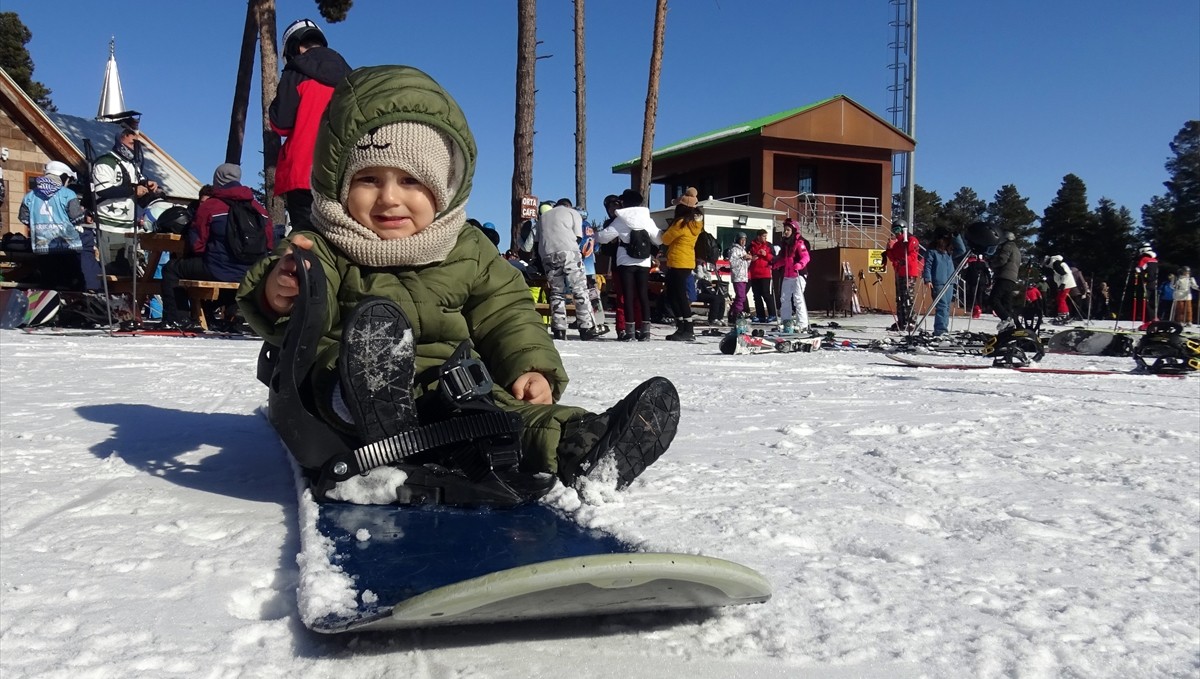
column 474, row 294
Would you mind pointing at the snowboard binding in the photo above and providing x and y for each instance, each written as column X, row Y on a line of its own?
column 1164, row 350
column 468, row 458
column 1014, row 348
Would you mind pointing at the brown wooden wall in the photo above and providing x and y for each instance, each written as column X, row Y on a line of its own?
column 26, row 159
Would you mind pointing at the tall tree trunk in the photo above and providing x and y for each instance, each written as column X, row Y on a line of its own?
column 241, row 89
column 580, row 112
column 660, row 29
column 269, row 65
column 522, row 179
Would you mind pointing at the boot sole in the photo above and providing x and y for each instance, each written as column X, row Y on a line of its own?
column 377, row 366
column 648, row 427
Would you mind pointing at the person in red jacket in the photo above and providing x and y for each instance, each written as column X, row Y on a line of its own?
column 208, row 256
column 904, row 254
column 311, row 70
column 760, row 278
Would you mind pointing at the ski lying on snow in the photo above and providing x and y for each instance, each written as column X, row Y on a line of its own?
column 913, row 363
column 415, row 566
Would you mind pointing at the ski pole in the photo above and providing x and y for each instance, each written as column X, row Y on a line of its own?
column 1121, row 304
column 942, row 292
column 90, row 158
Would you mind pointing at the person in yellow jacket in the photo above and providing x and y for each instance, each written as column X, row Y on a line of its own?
column 680, row 239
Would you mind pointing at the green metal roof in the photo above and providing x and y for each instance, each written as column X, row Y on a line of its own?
column 746, row 129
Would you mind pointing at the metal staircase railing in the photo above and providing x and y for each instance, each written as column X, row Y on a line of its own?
column 829, row 220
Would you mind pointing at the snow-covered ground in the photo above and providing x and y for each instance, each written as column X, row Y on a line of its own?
column 913, row 523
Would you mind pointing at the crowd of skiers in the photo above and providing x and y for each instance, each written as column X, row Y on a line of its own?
column 993, row 279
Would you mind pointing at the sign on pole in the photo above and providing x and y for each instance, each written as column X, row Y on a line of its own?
column 529, row 206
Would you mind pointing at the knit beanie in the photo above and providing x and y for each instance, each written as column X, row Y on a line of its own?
column 690, row 197
column 429, row 157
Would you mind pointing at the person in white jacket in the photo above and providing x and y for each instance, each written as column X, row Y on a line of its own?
column 1184, row 285
column 633, row 268
column 1064, row 282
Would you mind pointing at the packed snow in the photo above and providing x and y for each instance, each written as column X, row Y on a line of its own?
column 912, row 522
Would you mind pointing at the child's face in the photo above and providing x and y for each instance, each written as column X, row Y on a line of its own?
column 390, row 202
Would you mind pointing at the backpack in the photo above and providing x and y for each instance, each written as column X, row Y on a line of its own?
column 707, row 248
column 245, row 232
column 639, row 246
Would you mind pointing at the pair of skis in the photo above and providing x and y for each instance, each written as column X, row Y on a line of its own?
column 914, row 363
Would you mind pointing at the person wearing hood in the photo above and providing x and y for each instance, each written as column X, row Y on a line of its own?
column 411, row 292
column 632, row 226
column 209, row 256
column 310, row 71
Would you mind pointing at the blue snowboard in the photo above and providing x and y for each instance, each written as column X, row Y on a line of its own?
column 424, row 566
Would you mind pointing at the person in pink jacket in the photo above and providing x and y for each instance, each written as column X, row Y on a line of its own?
column 792, row 260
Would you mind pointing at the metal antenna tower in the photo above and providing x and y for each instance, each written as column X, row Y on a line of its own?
column 903, row 89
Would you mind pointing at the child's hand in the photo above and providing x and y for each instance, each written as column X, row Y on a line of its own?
column 281, row 287
column 533, row 388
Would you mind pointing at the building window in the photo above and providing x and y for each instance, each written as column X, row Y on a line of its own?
column 806, row 179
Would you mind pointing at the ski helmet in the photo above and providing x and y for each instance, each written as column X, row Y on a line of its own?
column 298, row 32
column 1146, row 249
column 899, row 226
column 173, row 220
column 58, row 169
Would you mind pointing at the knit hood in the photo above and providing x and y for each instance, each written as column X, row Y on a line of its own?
column 368, row 100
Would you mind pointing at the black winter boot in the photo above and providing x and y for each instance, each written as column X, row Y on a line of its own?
column 683, row 332
column 635, row 432
column 643, row 332
column 376, row 366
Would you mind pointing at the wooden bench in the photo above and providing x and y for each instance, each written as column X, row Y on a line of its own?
column 201, row 293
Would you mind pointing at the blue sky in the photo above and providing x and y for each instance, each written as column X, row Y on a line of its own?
column 1020, row 91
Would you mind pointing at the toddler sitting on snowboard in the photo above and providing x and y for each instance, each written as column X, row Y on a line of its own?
column 408, row 283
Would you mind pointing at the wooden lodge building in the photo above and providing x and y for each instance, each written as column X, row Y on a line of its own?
column 827, row 165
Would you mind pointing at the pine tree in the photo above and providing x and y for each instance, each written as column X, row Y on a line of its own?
column 927, row 211
column 1107, row 255
column 16, row 62
column 334, row 10
column 1171, row 223
column 1009, row 211
column 964, row 209
column 1067, row 224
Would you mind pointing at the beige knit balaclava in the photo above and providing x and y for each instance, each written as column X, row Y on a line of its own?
column 432, row 159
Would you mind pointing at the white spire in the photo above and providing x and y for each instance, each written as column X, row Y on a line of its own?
column 112, row 100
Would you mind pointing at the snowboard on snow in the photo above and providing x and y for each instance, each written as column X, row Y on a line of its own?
column 13, row 306
column 393, row 566
column 1091, row 342
column 746, row 343
column 913, row 363
column 406, row 567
